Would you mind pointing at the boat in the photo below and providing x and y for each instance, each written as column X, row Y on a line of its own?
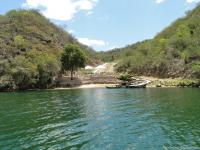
column 114, row 87
column 138, row 84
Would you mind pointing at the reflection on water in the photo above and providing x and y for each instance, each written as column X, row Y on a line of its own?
column 101, row 119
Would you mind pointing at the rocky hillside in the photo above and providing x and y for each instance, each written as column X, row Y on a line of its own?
column 174, row 52
column 30, row 46
column 23, row 31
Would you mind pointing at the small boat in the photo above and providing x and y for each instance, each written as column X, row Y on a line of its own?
column 114, row 87
column 140, row 84
column 136, row 86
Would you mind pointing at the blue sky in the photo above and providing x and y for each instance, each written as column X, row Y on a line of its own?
column 106, row 24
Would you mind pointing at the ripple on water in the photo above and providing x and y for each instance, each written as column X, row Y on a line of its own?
column 101, row 119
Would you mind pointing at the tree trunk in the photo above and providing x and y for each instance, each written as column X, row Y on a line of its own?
column 72, row 71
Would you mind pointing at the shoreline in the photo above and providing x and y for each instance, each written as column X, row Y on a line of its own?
column 84, row 86
column 155, row 83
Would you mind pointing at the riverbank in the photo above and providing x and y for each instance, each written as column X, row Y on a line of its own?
column 97, row 80
column 172, row 82
column 155, row 83
column 85, row 86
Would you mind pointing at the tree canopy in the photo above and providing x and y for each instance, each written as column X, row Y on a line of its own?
column 72, row 58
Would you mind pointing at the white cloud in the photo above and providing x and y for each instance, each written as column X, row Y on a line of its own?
column 159, row 1
column 71, row 31
column 90, row 42
column 60, row 9
column 113, row 47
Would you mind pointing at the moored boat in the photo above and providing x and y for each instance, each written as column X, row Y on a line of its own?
column 138, row 84
column 114, row 87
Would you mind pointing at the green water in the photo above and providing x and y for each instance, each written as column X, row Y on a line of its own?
column 101, row 119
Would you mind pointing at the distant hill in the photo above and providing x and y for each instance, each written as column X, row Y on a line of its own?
column 174, row 52
column 30, row 46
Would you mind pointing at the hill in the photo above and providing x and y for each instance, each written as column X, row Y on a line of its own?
column 30, row 48
column 174, row 52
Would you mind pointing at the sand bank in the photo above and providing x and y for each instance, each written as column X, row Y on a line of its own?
column 87, row 86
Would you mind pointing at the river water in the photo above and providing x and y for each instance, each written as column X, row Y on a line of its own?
column 101, row 119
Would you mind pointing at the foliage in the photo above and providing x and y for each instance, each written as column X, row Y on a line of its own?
column 4, row 67
column 125, row 77
column 30, row 50
column 6, row 82
column 20, row 42
column 22, row 78
column 34, row 70
column 72, row 58
column 46, row 72
column 174, row 52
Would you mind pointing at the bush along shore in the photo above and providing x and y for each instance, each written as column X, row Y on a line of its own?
column 65, row 82
column 103, row 80
column 177, row 82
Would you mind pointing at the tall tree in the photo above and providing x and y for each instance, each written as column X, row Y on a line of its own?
column 72, row 58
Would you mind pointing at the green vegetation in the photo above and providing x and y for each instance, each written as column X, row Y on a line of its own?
column 72, row 58
column 30, row 50
column 125, row 77
column 175, row 52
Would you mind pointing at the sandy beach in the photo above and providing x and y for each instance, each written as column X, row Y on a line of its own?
column 155, row 82
column 87, row 86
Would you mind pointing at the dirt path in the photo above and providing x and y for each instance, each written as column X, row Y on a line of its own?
column 107, row 68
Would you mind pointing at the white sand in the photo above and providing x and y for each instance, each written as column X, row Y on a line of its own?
column 87, row 86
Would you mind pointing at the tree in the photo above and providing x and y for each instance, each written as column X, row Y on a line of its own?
column 23, row 73
column 46, row 72
column 125, row 77
column 72, row 58
column 22, row 78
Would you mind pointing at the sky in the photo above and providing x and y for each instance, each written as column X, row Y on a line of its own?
column 107, row 24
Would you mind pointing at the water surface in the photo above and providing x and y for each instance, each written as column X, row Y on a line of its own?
column 101, row 119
